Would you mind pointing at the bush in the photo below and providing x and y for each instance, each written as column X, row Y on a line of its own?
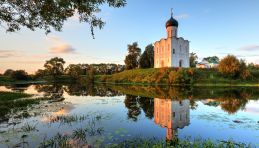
column 19, row 75
column 229, row 66
column 181, row 76
column 8, row 72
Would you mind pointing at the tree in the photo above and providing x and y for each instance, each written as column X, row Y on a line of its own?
column 55, row 67
column 40, row 73
column 213, row 59
column 74, row 71
column 19, row 75
column 229, row 66
column 253, row 66
column 147, row 58
column 244, row 73
column 8, row 72
column 51, row 14
column 193, row 59
column 132, row 59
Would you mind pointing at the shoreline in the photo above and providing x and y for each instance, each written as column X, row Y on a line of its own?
column 163, row 84
column 142, row 84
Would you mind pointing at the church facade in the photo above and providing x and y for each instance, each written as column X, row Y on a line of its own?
column 172, row 51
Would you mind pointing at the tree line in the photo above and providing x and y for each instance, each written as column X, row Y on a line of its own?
column 55, row 68
column 229, row 66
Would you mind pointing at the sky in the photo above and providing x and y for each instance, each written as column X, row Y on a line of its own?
column 213, row 27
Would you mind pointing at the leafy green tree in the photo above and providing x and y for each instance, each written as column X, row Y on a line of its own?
column 244, row 73
column 74, row 71
column 19, row 75
column 55, row 67
column 147, row 58
column 213, row 59
column 51, row 14
column 132, row 59
column 253, row 66
column 40, row 73
column 229, row 66
column 8, row 72
column 193, row 59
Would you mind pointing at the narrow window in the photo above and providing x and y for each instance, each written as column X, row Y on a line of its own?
column 173, row 51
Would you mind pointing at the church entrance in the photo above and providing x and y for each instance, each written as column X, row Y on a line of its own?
column 181, row 63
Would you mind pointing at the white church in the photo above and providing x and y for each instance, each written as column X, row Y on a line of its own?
column 172, row 51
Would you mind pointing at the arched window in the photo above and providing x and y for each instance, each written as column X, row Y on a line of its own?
column 173, row 51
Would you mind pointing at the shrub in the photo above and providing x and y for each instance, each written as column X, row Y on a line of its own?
column 245, row 74
column 181, row 76
column 19, row 75
column 8, row 72
column 229, row 66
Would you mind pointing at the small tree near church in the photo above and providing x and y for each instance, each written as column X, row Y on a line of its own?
column 132, row 59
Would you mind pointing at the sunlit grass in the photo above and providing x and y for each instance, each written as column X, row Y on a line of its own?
column 206, row 77
column 8, row 96
column 177, row 143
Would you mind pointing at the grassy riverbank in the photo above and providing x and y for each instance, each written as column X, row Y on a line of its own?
column 177, row 143
column 5, row 80
column 170, row 76
column 13, row 102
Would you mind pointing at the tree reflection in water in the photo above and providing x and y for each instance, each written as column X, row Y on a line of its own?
column 135, row 104
column 18, row 87
column 53, row 91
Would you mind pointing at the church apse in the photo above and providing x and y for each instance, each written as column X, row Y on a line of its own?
column 171, row 115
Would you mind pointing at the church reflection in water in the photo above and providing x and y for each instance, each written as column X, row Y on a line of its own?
column 171, row 115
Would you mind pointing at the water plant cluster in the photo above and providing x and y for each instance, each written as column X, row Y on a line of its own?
column 178, row 143
column 79, row 136
column 12, row 102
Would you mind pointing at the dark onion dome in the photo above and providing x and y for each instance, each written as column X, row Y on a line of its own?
column 171, row 22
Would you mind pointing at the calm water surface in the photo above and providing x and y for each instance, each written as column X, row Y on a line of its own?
column 112, row 114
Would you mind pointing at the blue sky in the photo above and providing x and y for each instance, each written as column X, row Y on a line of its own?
column 213, row 28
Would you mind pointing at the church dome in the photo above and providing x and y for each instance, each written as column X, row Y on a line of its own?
column 171, row 22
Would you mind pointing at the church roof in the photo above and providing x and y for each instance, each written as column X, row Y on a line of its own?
column 171, row 22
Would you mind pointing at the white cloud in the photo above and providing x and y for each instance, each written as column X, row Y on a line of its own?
column 182, row 16
column 63, row 49
column 9, row 53
column 250, row 48
column 59, row 46
column 6, row 53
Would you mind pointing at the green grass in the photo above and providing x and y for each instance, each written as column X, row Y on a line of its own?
column 8, row 96
column 11, row 101
column 200, row 77
column 176, row 143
